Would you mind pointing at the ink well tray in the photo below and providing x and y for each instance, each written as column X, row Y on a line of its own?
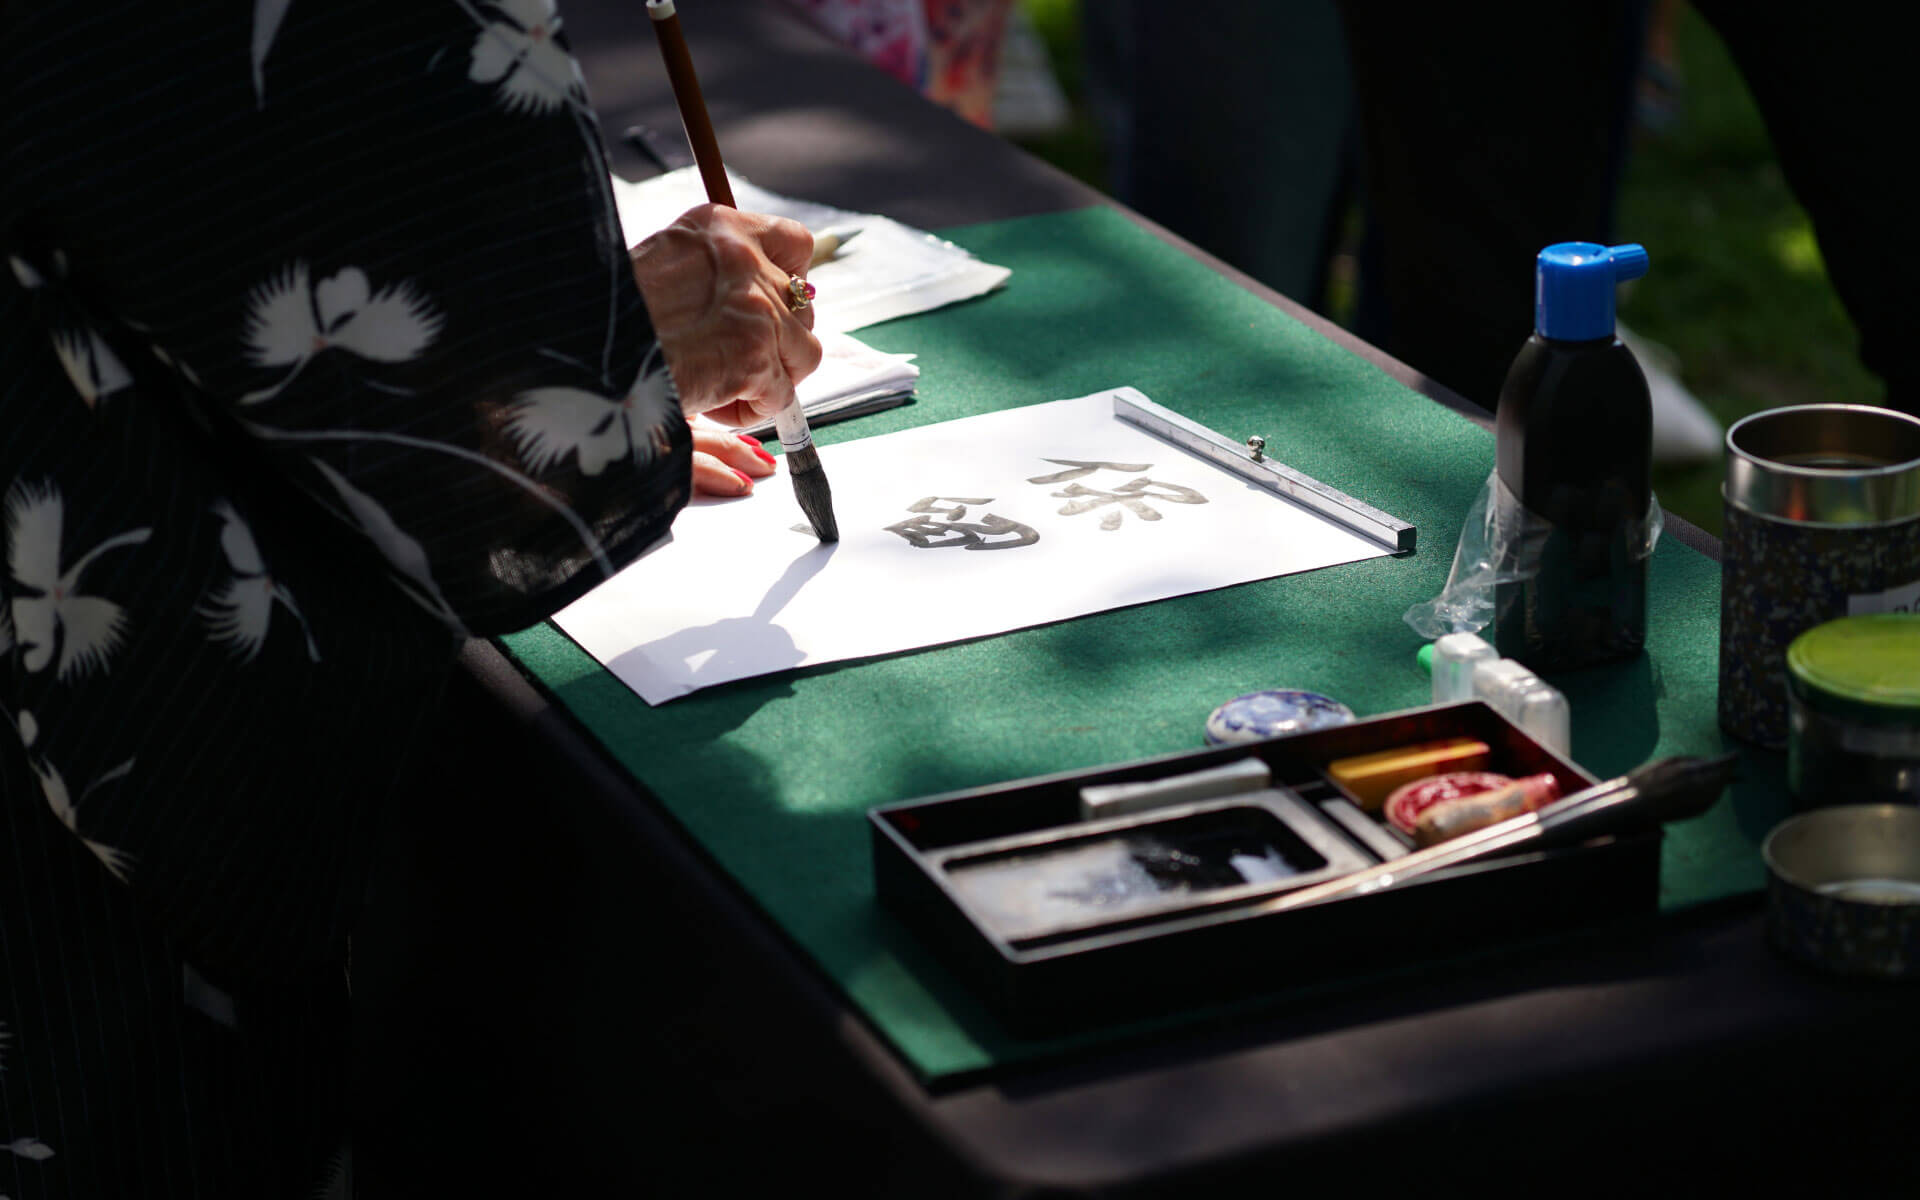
column 1059, row 922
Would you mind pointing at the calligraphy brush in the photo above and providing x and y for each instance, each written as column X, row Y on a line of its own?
column 796, row 440
column 828, row 242
column 1671, row 789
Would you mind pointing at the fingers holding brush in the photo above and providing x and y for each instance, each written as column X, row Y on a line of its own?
column 787, row 244
column 762, row 382
column 783, row 245
column 721, row 295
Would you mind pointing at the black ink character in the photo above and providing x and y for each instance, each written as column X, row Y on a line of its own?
column 1131, row 495
column 1086, row 468
column 989, row 533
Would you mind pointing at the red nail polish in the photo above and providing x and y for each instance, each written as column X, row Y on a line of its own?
column 746, row 484
column 764, row 456
column 749, row 439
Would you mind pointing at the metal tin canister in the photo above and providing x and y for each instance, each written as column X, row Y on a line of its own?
column 1843, row 889
column 1822, row 521
column 1854, row 687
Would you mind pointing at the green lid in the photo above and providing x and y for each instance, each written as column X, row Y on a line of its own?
column 1869, row 665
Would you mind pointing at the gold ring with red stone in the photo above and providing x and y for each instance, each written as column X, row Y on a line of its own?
column 799, row 293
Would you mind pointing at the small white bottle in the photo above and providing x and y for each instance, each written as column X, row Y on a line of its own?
column 1454, row 658
column 1545, row 717
column 1522, row 697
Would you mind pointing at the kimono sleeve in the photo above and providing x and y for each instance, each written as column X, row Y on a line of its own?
column 379, row 241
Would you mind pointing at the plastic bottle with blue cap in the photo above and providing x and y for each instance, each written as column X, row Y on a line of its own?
column 1574, row 456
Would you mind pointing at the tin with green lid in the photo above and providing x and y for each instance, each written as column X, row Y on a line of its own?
column 1854, row 687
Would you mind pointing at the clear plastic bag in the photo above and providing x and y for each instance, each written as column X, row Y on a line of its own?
column 1500, row 542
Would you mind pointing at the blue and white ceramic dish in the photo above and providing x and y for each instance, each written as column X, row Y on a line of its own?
column 1260, row 715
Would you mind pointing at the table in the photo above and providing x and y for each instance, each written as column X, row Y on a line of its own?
column 559, row 987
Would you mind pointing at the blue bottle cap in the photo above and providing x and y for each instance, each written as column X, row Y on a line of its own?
column 1259, row 715
column 1573, row 286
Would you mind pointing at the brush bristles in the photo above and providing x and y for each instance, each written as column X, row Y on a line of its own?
column 1684, row 786
column 810, row 488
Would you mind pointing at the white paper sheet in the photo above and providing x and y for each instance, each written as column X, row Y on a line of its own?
column 890, row 270
column 740, row 592
column 853, row 378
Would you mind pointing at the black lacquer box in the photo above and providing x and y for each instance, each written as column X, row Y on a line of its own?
column 1060, row 922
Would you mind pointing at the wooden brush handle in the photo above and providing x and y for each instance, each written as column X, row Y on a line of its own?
column 693, row 107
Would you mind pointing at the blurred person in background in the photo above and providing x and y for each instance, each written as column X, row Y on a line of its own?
column 1485, row 132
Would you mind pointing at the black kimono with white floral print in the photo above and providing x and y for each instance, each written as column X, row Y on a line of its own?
column 319, row 348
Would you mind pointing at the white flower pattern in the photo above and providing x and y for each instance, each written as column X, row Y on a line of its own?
column 48, row 608
column 179, row 366
column 550, row 423
column 92, row 365
column 31, row 1149
column 402, row 552
column 267, row 15
column 239, row 612
column 515, row 52
column 291, row 321
column 80, row 631
column 63, row 803
column 24, row 272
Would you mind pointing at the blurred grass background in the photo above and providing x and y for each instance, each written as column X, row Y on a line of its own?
column 1738, row 293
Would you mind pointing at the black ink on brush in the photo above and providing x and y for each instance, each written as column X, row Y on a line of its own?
column 796, row 440
column 810, row 488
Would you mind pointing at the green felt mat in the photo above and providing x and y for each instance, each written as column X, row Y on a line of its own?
column 773, row 776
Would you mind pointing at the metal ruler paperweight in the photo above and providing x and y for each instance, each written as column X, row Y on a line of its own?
column 1249, row 461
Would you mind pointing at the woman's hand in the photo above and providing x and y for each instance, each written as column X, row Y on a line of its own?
column 726, row 463
column 715, row 283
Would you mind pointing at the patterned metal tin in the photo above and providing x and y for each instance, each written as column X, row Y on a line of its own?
column 1849, row 937
column 1843, row 889
column 1779, row 579
column 1822, row 520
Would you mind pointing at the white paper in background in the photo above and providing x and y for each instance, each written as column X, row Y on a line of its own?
column 891, row 270
column 741, row 593
column 851, row 374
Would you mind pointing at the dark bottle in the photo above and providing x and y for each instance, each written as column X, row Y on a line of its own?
column 1574, row 456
